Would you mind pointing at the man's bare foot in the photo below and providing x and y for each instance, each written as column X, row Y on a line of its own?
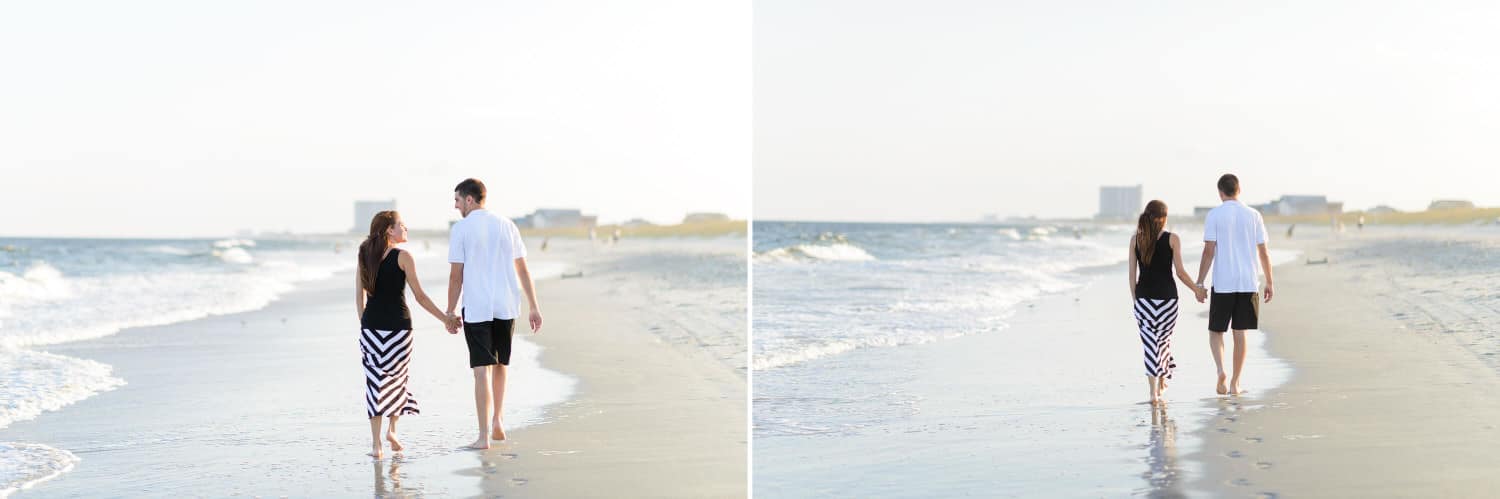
column 481, row 444
column 1235, row 388
column 1222, row 388
column 377, row 453
column 395, row 444
column 498, row 433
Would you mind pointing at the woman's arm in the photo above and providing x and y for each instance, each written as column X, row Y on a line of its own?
column 409, row 265
column 359, row 294
column 1131, row 258
column 1182, row 273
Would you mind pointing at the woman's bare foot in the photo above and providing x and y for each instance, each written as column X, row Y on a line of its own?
column 1222, row 389
column 395, row 444
column 481, row 444
column 1155, row 400
column 498, row 433
column 1235, row 388
column 1163, row 383
column 376, row 453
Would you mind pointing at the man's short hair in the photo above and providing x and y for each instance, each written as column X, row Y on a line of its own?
column 1228, row 184
column 471, row 187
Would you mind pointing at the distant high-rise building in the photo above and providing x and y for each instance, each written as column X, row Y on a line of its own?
column 1120, row 202
column 364, row 212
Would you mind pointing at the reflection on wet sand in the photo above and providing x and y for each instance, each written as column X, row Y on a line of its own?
column 388, row 484
column 1162, row 474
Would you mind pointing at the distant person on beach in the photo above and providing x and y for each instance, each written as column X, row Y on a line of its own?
column 1154, row 255
column 489, row 271
column 1234, row 235
column 385, row 341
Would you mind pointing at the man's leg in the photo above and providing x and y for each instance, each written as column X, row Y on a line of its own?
column 497, row 432
column 1239, row 359
column 1216, row 346
column 482, row 406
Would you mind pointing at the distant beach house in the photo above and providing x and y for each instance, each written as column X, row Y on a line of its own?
column 551, row 218
column 1201, row 212
column 1450, row 204
column 693, row 218
column 637, row 222
column 364, row 212
column 1301, row 205
column 1119, row 202
column 1382, row 210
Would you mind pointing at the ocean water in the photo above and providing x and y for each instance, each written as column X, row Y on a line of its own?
column 904, row 360
column 57, row 291
column 827, row 289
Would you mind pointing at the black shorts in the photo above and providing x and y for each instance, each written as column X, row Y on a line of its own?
column 489, row 342
column 1238, row 310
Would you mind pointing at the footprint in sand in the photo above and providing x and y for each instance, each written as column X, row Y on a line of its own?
column 1240, row 482
column 1254, row 440
column 1267, row 495
column 517, row 482
column 1234, row 454
column 1225, row 430
column 508, row 456
column 1232, row 419
column 1263, row 465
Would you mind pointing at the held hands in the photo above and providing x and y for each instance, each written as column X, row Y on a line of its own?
column 1200, row 292
column 453, row 322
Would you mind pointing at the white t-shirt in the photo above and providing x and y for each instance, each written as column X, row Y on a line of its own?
column 1236, row 230
column 488, row 246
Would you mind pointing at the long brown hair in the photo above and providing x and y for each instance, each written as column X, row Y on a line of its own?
column 1148, row 229
column 373, row 248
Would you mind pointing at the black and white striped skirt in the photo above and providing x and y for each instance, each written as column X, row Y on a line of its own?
column 386, row 355
column 1156, row 318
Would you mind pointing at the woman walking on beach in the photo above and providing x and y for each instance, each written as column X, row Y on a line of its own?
column 1154, row 254
column 385, row 341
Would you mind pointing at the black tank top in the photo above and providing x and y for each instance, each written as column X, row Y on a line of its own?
column 1155, row 280
column 385, row 309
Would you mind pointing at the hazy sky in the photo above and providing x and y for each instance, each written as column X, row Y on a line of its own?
column 947, row 110
column 195, row 118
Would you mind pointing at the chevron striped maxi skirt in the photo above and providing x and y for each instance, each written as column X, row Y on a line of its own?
column 386, row 355
column 1156, row 318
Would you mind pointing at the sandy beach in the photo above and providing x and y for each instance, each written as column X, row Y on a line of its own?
column 1394, row 381
column 607, row 402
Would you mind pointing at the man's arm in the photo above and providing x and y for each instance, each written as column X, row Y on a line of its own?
column 524, row 274
column 1265, row 266
column 455, row 285
column 1207, row 261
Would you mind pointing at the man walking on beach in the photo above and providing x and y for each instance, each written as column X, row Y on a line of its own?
column 1234, row 235
column 489, row 270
